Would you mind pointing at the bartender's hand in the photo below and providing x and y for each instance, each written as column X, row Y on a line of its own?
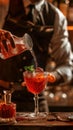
column 4, row 37
column 55, row 78
column 51, row 78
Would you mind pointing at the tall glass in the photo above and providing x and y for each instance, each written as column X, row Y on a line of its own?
column 36, row 83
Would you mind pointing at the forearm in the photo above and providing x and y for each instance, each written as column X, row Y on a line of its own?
column 4, row 84
column 65, row 72
column 60, row 76
column 10, row 85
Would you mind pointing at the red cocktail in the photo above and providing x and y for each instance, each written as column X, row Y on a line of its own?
column 36, row 83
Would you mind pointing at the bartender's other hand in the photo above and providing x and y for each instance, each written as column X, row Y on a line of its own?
column 6, row 36
column 23, row 84
column 51, row 78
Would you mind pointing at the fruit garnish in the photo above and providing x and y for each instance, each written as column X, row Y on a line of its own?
column 29, row 68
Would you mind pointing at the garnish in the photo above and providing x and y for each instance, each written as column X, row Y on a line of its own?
column 29, row 68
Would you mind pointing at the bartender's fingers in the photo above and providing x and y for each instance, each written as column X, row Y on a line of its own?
column 51, row 78
column 3, row 39
column 6, row 36
column 9, row 36
column 5, row 44
column 23, row 84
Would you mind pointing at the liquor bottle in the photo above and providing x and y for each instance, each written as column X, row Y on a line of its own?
column 50, row 1
column 63, row 6
column 55, row 2
column 71, row 3
column 70, row 12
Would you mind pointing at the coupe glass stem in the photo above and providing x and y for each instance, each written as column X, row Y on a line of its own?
column 36, row 104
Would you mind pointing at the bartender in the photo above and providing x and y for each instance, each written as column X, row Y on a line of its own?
column 47, row 27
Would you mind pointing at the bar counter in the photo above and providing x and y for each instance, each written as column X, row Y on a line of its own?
column 46, row 124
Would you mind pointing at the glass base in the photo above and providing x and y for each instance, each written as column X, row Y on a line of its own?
column 7, row 120
column 32, row 116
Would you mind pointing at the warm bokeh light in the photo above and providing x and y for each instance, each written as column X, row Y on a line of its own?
column 70, row 28
column 4, row 2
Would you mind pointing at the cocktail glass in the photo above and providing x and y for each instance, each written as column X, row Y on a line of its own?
column 36, row 83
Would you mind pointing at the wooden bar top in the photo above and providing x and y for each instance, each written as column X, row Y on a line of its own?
column 54, row 119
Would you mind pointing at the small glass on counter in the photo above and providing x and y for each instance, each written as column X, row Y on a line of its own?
column 7, row 109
